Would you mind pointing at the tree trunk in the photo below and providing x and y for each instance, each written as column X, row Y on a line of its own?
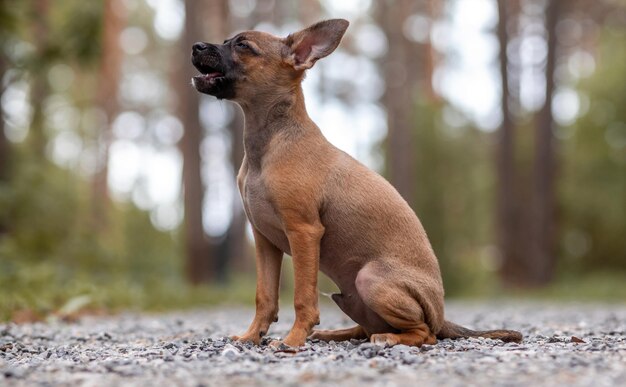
column 39, row 88
column 106, row 98
column 399, row 68
column 5, row 150
column 507, row 217
column 199, row 266
column 236, row 252
column 543, row 259
column 239, row 256
column 4, row 142
column 430, row 61
column 204, row 22
column 234, row 248
column 309, row 12
column 231, row 250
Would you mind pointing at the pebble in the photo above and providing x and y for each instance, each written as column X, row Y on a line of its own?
column 577, row 345
column 230, row 352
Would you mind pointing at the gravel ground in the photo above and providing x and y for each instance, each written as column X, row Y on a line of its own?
column 190, row 349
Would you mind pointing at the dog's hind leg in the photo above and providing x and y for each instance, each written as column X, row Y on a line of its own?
column 413, row 337
column 356, row 332
column 395, row 302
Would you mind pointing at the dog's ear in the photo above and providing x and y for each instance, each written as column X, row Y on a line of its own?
column 305, row 47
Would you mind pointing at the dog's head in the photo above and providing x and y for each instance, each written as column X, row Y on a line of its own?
column 254, row 62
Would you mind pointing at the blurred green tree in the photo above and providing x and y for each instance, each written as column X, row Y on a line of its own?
column 592, row 191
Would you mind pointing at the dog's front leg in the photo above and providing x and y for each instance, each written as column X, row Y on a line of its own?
column 304, row 241
column 268, row 263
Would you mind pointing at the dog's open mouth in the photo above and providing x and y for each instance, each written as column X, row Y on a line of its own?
column 210, row 75
column 213, row 76
column 212, row 80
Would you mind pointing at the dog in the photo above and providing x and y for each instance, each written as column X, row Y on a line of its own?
column 306, row 198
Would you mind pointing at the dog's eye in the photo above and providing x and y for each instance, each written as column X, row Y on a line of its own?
column 242, row 45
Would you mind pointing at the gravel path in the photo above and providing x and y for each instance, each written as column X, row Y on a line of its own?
column 189, row 349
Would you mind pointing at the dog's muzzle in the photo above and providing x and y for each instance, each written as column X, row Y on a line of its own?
column 209, row 60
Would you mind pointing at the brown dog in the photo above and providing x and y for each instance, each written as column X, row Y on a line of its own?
column 306, row 198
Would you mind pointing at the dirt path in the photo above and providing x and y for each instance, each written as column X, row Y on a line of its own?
column 189, row 349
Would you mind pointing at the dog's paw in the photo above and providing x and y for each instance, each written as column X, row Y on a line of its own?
column 247, row 339
column 322, row 335
column 316, row 335
column 383, row 339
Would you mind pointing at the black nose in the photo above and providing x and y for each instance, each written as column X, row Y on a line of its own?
column 199, row 46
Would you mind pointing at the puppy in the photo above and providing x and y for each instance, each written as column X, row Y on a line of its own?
column 306, row 198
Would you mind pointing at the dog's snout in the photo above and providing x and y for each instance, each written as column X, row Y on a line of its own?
column 199, row 46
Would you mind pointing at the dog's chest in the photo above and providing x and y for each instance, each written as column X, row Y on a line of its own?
column 260, row 210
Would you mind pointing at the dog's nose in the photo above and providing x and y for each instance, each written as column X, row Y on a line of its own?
column 199, row 46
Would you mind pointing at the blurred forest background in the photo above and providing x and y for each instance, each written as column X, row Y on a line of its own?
column 502, row 123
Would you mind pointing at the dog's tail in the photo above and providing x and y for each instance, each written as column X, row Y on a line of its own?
column 451, row 330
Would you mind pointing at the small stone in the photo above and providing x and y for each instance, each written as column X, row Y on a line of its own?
column 369, row 350
column 102, row 337
column 399, row 350
column 230, row 352
column 6, row 347
column 555, row 339
column 15, row 373
column 170, row 346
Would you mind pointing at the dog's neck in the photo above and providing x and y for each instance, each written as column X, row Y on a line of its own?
column 269, row 114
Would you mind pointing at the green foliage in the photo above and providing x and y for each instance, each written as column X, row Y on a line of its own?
column 593, row 177
column 78, row 37
column 603, row 286
column 54, row 254
column 47, row 288
column 455, row 171
column 454, row 188
column 51, row 251
column 36, row 191
column 8, row 20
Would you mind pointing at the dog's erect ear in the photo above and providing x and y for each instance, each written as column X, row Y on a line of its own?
column 305, row 47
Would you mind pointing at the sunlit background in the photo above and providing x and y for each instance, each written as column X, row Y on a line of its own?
column 117, row 180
